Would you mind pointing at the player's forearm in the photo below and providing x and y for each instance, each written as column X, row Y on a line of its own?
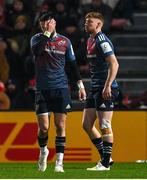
column 39, row 46
column 75, row 71
column 112, row 72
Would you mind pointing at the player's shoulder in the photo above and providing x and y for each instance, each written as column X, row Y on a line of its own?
column 62, row 37
column 101, row 38
column 36, row 36
column 104, row 43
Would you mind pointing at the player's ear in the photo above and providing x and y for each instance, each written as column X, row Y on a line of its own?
column 98, row 25
column 55, row 23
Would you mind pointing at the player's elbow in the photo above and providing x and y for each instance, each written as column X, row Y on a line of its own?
column 117, row 65
column 36, row 50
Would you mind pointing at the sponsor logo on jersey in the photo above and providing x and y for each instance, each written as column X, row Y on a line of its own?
column 55, row 51
column 61, row 43
column 91, row 55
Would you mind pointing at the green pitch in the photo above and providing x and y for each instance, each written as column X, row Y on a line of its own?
column 73, row 171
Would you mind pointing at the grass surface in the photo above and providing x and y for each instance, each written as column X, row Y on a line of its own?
column 73, row 171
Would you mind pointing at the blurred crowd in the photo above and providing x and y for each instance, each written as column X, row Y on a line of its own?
column 19, row 21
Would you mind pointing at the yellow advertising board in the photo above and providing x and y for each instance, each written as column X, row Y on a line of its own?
column 18, row 138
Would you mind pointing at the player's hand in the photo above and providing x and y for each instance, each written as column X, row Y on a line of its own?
column 50, row 25
column 106, row 94
column 82, row 94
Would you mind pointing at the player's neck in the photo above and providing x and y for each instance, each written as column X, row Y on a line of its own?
column 95, row 32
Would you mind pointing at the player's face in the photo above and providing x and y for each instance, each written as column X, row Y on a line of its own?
column 42, row 25
column 91, row 25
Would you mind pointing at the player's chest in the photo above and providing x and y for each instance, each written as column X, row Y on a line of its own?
column 56, row 47
column 93, row 54
column 91, row 47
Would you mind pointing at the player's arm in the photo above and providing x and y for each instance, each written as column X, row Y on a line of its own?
column 38, row 42
column 75, row 71
column 113, row 68
column 112, row 72
column 108, row 53
column 78, row 79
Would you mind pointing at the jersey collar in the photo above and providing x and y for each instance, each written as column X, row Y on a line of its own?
column 98, row 34
column 54, row 36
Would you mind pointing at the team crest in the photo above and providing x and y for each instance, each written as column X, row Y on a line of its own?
column 61, row 43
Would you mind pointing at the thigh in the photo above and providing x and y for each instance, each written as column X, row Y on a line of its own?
column 61, row 101
column 89, row 117
column 60, row 119
column 41, row 105
column 43, row 121
column 105, row 115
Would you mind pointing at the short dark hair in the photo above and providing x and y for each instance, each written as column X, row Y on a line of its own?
column 96, row 15
column 46, row 16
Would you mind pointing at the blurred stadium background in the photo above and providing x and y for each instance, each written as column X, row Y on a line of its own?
column 125, row 24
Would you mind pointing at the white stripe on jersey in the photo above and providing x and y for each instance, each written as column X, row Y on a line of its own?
column 72, row 50
column 102, row 36
column 99, row 38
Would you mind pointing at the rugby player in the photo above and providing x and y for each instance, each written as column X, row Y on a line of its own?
column 52, row 51
column 104, row 89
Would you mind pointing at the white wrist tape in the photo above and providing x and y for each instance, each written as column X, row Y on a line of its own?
column 80, row 85
column 47, row 33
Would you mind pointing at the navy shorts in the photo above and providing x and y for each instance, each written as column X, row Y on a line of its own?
column 55, row 100
column 95, row 100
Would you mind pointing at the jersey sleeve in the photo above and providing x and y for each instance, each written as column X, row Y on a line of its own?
column 104, row 46
column 70, row 55
column 38, row 43
column 70, row 58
